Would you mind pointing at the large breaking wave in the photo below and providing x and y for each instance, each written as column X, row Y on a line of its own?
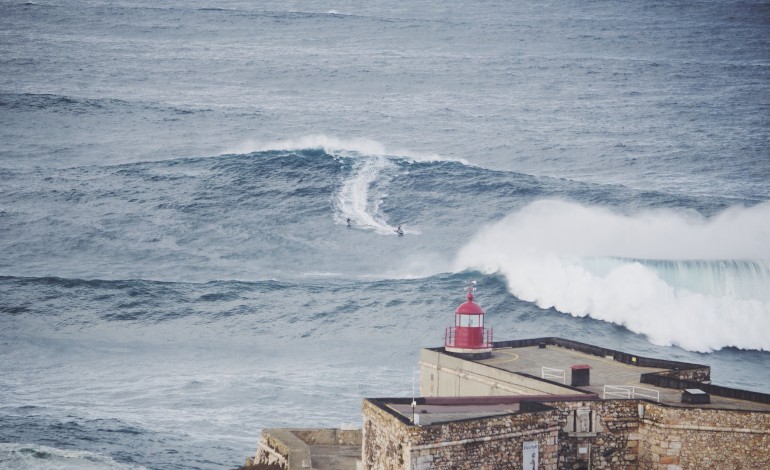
column 678, row 277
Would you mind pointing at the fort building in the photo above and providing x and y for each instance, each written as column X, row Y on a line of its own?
column 540, row 403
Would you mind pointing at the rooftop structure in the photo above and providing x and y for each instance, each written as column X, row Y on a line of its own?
column 550, row 366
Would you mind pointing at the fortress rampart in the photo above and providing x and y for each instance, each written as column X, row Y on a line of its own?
column 618, row 411
column 599, row 434
column 703, row 438
column 392, row 443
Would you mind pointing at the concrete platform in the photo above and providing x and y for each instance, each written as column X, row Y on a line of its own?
column 335, row 457
column 427, row 413
column 308, row 449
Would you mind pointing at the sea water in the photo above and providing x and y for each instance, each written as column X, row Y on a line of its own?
column 176, row 268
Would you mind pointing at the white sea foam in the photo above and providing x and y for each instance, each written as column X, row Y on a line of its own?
column 637, row 270
column 356, row 200
column 334, row 145
column 32, row 456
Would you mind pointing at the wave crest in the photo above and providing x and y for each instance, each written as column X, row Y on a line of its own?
column 336, row 146
column 679, row 278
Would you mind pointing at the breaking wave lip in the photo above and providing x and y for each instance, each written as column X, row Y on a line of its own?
column 336, row 146
column 678, row 278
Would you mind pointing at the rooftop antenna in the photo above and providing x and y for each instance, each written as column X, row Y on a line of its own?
column 470, row 286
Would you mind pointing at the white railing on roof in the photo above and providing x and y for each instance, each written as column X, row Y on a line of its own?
column 630, row 391
column 641, row 392
column 617, row 391
column 549, row 374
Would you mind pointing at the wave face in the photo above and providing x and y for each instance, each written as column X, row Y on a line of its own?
column 680, row 278
column 283, row 214
column 272, row 214
column 177, row 269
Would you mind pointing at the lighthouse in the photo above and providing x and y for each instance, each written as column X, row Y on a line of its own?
column 468, row 337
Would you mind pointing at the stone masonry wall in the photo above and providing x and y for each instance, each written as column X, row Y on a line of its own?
column 704, row 439
column 480, row 444
column 612, row 441
column 273, row 449
column 486, row 444
column 383, row 439
column 611, row 434
column 700, row 374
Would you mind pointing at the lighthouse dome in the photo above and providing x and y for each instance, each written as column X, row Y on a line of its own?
column 470, row 307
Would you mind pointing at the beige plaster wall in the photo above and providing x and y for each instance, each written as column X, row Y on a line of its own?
column 442, row 375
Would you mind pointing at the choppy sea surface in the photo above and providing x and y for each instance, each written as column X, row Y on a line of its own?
column 176, row 267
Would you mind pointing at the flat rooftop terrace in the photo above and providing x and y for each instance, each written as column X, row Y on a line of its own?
column 605, row 370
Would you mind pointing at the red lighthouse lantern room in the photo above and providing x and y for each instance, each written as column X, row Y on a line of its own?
column 468, row 337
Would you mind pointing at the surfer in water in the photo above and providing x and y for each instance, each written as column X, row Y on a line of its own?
column 399, row 230
column 348, row 221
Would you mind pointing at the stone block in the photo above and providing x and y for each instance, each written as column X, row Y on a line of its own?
column 675, row 445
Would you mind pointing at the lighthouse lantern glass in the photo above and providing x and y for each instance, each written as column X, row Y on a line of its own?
column 474, row 321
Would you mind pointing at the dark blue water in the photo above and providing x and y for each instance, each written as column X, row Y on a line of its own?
column 176, row 268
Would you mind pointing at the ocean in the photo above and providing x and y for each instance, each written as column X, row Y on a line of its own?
column 177, row 271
